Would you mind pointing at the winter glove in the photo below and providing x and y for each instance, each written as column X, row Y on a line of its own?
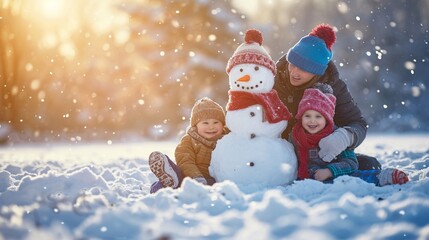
column 201, row 180
column 333, row 144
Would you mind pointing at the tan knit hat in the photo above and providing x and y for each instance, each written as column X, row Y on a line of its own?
column 205, row 108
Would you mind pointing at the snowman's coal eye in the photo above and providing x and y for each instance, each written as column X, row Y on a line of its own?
column 256, row 68
column 241, row 70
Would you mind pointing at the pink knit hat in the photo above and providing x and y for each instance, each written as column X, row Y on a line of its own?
column 251, row 51
column 315, row 99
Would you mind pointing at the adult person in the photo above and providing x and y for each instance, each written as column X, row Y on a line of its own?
column 309, row 62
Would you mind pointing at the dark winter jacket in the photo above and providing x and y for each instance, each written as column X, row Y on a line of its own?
column 347, row 113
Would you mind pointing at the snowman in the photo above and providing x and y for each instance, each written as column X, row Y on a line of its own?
column 253, row 153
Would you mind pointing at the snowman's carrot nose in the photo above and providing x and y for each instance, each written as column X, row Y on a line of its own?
column 244, row 78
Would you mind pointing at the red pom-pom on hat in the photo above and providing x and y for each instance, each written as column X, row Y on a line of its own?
column 253, row 35
column 325, row 32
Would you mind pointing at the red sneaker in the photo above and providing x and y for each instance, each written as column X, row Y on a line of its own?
column 399, row 177
column 390, row 176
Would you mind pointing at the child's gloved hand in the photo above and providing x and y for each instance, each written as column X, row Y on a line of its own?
column 201, row 180
column 333, row 144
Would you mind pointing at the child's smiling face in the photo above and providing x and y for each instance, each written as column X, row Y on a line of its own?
column 210, row 128
column 313, row 121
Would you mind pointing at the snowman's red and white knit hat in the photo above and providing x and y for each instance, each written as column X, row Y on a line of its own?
column 320, row 99
column 251, row 51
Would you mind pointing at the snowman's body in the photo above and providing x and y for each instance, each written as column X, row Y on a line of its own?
column 253, row 123
column 259, row 163
column 253, row 154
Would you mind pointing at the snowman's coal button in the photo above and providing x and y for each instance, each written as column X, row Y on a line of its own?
column 252, row 114
column 251, row 164
column 252, row 135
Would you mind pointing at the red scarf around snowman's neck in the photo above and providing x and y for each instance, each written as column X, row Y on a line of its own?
column 275, row 111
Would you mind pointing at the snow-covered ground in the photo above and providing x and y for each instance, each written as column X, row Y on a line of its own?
column 101, row 191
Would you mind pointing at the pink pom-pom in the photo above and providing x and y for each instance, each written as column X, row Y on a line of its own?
column 325, row 32
column 253, row 35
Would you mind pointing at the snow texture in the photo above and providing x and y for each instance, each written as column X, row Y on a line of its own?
column 100, row 191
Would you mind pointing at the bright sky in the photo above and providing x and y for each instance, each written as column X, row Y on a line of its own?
column 253, row 8
column 247, row 7
column 52, row 8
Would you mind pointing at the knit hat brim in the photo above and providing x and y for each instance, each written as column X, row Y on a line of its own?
column 251, row 58
column 314, row 99
column 306, row 64
column 206, row 108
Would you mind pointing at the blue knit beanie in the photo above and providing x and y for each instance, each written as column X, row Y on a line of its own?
column 313, row 52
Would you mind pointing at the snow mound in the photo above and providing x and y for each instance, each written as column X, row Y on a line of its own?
column 102, row 192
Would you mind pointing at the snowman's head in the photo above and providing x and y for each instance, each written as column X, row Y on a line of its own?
column 251, row 78
column 251, row 59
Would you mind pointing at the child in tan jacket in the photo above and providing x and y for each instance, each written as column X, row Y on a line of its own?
column 193, row 153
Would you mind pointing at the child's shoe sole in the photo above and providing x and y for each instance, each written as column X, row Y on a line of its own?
column 159, row 165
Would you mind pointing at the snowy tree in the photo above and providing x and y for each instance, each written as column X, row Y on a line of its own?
column 383, row 48
column 60, row 72
column 184, row 46
column 97, row 69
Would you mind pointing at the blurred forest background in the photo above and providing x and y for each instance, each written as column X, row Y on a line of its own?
column 115, row 70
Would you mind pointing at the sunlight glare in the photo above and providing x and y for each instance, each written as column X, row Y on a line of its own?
column 52, row 8
column 68, row 50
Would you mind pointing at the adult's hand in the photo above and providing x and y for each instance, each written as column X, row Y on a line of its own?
column 333, row 144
